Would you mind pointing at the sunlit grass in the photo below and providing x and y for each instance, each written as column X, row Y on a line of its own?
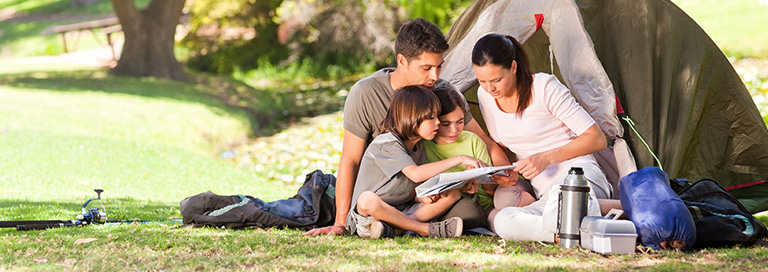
column 61, row 136
column 737, row 27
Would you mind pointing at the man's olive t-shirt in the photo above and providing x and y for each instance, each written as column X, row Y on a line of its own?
column 367, row 105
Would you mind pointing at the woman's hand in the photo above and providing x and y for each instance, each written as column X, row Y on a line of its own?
column 533, row 165
column 592, row 140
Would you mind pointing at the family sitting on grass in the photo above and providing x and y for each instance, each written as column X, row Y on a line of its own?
column 404, row 125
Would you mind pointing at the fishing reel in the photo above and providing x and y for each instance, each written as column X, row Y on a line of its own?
column 89, row 216
column 94, row 215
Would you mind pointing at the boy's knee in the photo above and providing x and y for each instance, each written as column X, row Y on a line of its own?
column 367, row 203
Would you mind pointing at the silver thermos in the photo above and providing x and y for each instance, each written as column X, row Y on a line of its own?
column 572, row 207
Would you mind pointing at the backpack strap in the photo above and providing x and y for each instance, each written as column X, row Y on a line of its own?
column 749, row 228
column 243, row 200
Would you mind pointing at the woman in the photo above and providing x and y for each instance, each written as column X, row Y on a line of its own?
column 536, row 117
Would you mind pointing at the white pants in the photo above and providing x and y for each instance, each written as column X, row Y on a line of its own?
column 538, row 221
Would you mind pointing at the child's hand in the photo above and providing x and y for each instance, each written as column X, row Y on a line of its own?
column 510, row 179
column 471, row 162
column 471, row 187
column 428, row 199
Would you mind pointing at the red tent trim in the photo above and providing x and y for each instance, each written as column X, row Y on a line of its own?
column 539, row 20
column 745, row 185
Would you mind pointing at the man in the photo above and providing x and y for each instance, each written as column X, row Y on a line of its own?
column 419, row 47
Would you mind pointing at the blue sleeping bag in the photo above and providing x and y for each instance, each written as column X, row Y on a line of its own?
column 659, row 214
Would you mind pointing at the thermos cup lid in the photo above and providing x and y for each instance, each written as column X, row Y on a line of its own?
column 576, row 170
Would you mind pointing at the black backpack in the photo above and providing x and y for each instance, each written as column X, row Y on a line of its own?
column 312, row 206
column 720, row 218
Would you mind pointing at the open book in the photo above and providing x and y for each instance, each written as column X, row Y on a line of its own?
column 457, row 180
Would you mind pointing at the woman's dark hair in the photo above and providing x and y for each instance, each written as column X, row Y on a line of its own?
column 502, row 50
column 419, row 36
column 410, row 106
column 449, row 98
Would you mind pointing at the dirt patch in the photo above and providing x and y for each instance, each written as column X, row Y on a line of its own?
column 96, row 58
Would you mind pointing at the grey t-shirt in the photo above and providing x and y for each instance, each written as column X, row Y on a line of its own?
column 367, row 104
column 380, row 171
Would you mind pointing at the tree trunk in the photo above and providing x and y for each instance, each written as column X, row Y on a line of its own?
column 149, row 39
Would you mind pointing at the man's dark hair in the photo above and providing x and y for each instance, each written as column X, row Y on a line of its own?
column 419, row 36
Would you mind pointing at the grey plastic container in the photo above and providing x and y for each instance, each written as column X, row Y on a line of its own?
column 607, row 235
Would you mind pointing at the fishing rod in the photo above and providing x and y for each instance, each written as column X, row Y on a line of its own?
column 92, row 216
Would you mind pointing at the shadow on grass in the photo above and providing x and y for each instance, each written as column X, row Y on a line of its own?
column 268, row 110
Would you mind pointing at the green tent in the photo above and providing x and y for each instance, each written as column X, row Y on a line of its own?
column 684, row 96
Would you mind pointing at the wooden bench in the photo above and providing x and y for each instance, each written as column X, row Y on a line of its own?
column 108, row 27
column 107, row 24
column 109, row 31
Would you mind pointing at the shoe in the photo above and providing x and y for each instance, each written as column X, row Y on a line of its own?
column 381, row 230
column 451, row 227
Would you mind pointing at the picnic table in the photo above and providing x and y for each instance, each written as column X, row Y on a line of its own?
column 108, row 26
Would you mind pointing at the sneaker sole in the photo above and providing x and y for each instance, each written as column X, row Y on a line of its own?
column 459, row 229
column 376, row 229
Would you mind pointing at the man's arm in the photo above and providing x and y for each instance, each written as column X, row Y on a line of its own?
column 497, row 154
column 351, row 155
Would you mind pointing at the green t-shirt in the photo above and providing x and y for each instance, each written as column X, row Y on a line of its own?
column 468, row 144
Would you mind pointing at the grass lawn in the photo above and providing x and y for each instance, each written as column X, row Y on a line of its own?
column 737, row 27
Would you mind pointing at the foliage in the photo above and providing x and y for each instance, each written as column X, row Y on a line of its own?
column 353, row 34
column 347, row 36
column 330, row 31
column 232, row 35
column 754, row 73
column 441, row 12
column 286, row 157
